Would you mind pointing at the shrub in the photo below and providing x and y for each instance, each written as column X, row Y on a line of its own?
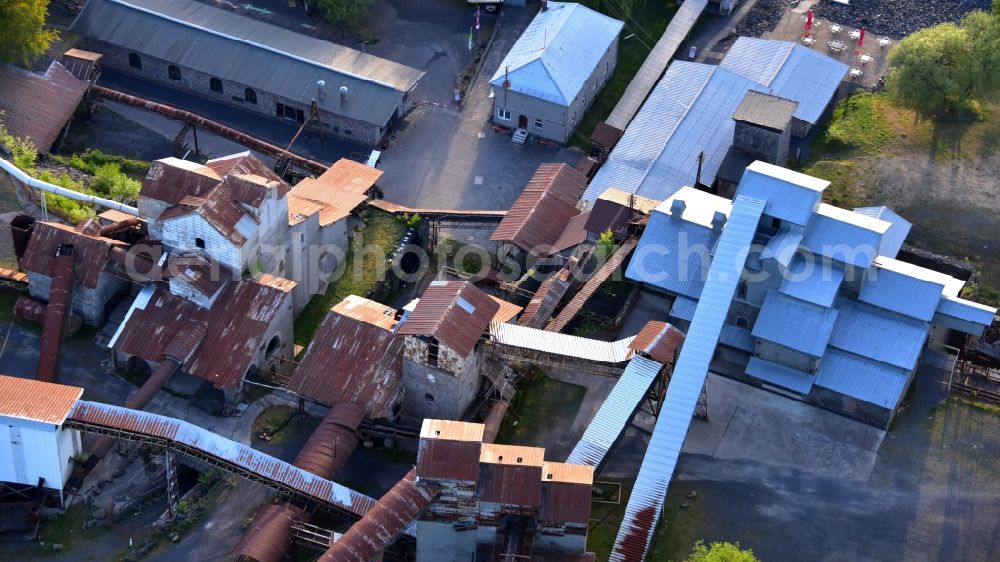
column 23, row 150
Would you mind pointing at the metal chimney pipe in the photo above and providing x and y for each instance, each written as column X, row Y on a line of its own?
column 320, row 89
column 343, row 95
column 545, row 5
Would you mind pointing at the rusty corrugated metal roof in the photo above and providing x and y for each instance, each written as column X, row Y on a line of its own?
column 353, row 361
column 235, row 328
column 38, row 401
column 386, row 521
column 454, row 312
column 245, row 163
column 608, row 215
column 642, row 204
column 90, row 253
column 507, row 311
column 301, row 209
column 566, row 490
column 202, row 273
column 38, row 106
column 540, row 214
column 112, row 216
column 257, row 463
column 574, row 234
column 658, row 340
column 219, row 208
column 367, row 310
column 340, row 189
column 173, row 179
column 510, row 474
column 449, row 450
column 274, row 282
column 269, row 535
column 606, row 135
column 546, row 299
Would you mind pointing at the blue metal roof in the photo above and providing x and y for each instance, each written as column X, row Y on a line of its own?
column 895, row 237
column 877, row 334
column 794, row 323
column 782, row 248
column 780, row 375
column 558, row 52
column 843, row 235
column 895, row 288
column 965, row 310
column 690, row 372
column 737, row 337
column 790, row 71
column 673, row 254
column 615, row 413
column 688, row 112
column 812, row 280
column 863, row 379
column 790, row 196
column 683, row 308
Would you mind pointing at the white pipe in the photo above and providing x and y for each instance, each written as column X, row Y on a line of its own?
column 46, row 186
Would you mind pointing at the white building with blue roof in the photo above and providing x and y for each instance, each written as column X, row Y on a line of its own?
column 820, row 312
column 555, row 70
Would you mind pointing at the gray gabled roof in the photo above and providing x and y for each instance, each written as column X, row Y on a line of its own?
column 246, row 51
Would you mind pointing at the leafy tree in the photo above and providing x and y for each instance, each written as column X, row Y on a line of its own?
column 721, row 552
column 346, row 11
column 943, row 68
column 24, row 37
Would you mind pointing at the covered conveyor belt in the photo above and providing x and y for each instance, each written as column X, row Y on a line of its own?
column 656, row 63
column 615, row 413
column 521, row 343
column 199, row 443
column 453, row 214
column 650, row 490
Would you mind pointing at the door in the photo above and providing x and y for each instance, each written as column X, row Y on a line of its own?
column 522, row 122
column 17, row 450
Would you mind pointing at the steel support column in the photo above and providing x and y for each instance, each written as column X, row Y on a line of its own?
column 173, row 494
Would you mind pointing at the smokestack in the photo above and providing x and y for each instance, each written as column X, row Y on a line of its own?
column 545, row 5
column 677, row 208
column 343, row 95
column 320, row 89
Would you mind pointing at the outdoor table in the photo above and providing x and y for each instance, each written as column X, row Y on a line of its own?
column 808, row 40
column 836, row 45
column 884, row 42
column 855, row 34
column 865, row 58
column 855, row 72
column 835, row 29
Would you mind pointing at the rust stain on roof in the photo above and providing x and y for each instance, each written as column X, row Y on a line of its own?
column 566, row 491
column 507, row 311
column 340, row 189
column 269, row 535
column 354, row 361
column 38, row 106
column 203, row 274
column 658, row 340
column 632, row 548
column 454, row 312
column 300, row 209
column 219, row 208
column 449, row 450
column 279, row 283
column 452, row 430
column 367, row 310
column 90, row 253
column 38, row 401
column 540, row 214
column 510, row 475
column 235, row 328
column 172, row 179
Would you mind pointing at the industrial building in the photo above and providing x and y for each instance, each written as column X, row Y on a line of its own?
column 701, row 119
column 555, row 70
column 249, row 64
column 823, row 311
column 35, row 448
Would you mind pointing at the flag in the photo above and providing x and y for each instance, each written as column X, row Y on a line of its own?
column 477, row 18
column 861, row 38
column 470, row 38
column 809, row 20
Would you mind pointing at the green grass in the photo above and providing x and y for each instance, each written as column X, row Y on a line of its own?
column 7, row 301
column 847, row 189
column 67, row 528
column 859, row 125
column 539, row 398
column 272, row 419
column 674, row 536
column 380, row 231
column 648, row 22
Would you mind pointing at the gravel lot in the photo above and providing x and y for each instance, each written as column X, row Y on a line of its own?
column 898, row 18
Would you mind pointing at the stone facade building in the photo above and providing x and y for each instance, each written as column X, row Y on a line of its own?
column 248, row 64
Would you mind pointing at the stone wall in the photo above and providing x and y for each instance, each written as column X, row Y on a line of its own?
column 782, row 355
column 87, row 303
column 763, row 144
column 233, row 93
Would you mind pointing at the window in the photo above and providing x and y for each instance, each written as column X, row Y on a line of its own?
column 503, row 114
column 200, row 242
column 573, row 119
column 741, row 290
column 429, row 397
column 250, row 95
column 593, row 87
column 775, row 223
column 741, row 322
column 538, row 123
column 584, row 99
column 215, row 85
column 134, row 61
column 173, row 72
column 289, row 112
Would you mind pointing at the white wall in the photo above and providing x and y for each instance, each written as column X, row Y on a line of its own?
column 29, row 450
column 179, row 235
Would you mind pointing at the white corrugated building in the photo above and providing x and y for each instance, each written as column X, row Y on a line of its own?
column 824, row 310
column 554, row 71
column 33, row 443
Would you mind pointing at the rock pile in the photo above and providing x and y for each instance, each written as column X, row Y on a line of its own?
column 763, row 17
column 897, row 18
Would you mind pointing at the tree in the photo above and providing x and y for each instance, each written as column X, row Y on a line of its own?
column 943, row 68
column 721, row 552
column 346, row 11
column 24, row 37
column 618, row 9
